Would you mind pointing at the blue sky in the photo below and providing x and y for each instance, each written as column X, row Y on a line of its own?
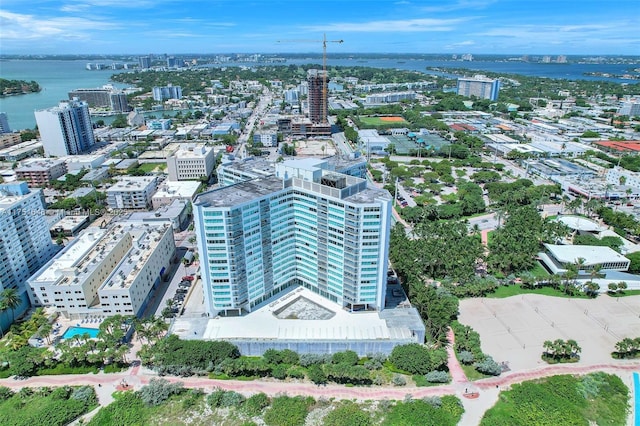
column 403, row 26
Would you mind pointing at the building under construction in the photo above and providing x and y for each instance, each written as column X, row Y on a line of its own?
column 318, row 105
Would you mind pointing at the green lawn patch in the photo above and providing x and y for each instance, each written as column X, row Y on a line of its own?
column 596, row 398
column 380, row 121
column 64, row 369
column 539, row 271
column 624, row 293
column 151, row 167
column 421, row 381
column 471, row 373
column 515, row 290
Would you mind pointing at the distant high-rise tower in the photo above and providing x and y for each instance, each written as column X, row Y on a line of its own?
column 4, row 123
column 479, row 86
column 144, row 62
column 66, row 129
column 317, row 81
column 167, row 92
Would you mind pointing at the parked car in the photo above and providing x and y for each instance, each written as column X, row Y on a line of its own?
column 181, row 290
column 188, row 278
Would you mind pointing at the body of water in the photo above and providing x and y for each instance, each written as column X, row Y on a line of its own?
column 57, row 78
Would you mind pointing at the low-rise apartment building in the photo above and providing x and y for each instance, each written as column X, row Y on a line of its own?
column 40, row 172
column 105, row 272
column 132, row 192
column 191, row 162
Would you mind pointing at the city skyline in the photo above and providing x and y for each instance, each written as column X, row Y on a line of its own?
column 463, row 26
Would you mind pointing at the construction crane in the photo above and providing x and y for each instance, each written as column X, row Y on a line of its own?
column 324, row 42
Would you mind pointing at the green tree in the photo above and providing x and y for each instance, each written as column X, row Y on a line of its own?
column 10, row 299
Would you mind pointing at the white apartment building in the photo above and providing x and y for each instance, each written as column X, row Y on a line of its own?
column 25, row 244
column 105, row 272
column 306, row 225
column 191, row 162
column 66, row 129
column 132, row 192
column 624, row 177
column 170, row 191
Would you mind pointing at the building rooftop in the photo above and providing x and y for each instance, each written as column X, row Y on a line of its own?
column 263, row 323
column 145, row 240
column 239, row 193
column 193, row 151
column 184, row 188
column 132, row 183
column 592, row 255
column 39, row 165
column 581, row 223
column 13, row 192
column 83, row 255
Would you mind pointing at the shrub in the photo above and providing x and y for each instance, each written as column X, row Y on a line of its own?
column 288, row 411
column 296, row 372
column 86, row 394
column 414, row 358
column 307, row 360
column 372, row 364
column 254, row 405
column 437, row 376
column 159, row 390
column 231, row 399
column 347, row 414
column 466, row 357
column 488, row 366
column 316, row 375
column 434, row 401
column 346, row 357
column 285, row 356
column 398, row 380
column 377, row 357
column 279, row 371
column 5, row 393
column 215, row 398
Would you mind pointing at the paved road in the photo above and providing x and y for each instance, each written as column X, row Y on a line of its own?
column 263, row 104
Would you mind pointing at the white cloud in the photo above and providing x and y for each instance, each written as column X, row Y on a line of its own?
column 16, row 26
column 391, row 26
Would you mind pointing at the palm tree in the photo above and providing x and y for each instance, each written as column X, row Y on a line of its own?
column 10, row 300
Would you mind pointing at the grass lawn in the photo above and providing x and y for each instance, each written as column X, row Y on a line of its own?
column 150, row 167
column 515, row 290
column 624, row 293
column 472, row 373
column 377, row 121
column 538, row 271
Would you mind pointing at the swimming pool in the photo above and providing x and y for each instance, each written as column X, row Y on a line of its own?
column 636, row 391
column 75, row 331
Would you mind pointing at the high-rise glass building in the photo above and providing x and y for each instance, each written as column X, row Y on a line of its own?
column 306, row 225
column 479, row 86
column 25, row 242
column 66, row 129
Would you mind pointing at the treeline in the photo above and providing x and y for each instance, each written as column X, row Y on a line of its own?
column 17, row 87
column 222, row 360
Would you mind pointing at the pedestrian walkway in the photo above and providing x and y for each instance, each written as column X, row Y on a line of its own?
column 455, row 369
